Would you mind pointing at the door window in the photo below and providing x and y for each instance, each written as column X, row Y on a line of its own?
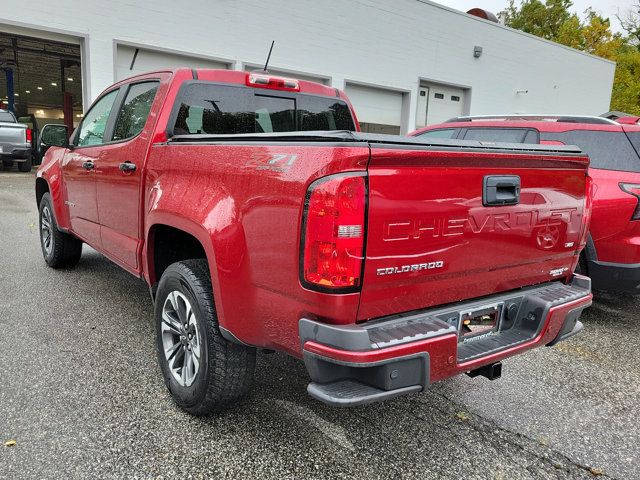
column 135, row 110
column 95, row 122
column 507, row 135
column 442, row 133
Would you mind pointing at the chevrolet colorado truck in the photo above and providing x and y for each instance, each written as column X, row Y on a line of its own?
column 15, row 142
column 262, row 219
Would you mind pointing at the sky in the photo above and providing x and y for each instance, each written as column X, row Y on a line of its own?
column 607, row 8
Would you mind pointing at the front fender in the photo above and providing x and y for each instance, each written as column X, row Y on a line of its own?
column 51, row 173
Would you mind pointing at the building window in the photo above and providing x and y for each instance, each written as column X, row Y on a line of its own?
column 439, row 95
column 455, row 98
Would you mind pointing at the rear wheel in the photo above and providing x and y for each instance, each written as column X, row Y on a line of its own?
column 25, row 166
column 58, row 248
column 203, row 371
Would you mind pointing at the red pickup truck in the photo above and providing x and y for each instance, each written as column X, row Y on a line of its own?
column 262, row 219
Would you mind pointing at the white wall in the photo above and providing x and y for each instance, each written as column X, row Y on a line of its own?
column 390, row 44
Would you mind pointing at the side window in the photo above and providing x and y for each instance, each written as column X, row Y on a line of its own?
column 606, row 150
column 95, row 121
column 506, row 135
column 634, row 137
column 442, row 133
column 135, row 110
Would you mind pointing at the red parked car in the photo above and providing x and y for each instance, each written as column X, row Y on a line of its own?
column 612, row 255
column 262, row 219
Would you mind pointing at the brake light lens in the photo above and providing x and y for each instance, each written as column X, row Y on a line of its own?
column 333, row 233
column 633, row 189
column 274, row 83
column 29, row 135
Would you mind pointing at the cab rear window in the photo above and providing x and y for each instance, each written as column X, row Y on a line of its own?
column 606, row 150
column 209, row 108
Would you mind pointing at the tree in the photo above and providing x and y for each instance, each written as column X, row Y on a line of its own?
column 630, row 22
column 554, row 21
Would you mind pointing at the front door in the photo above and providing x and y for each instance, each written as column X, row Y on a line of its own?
column 79, row 170
column 119, row 175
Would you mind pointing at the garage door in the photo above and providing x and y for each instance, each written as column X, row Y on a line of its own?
column 147, row 60
column 379, row 110
column 437, row 103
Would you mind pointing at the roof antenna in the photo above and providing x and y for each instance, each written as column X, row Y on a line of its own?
column 268, row 57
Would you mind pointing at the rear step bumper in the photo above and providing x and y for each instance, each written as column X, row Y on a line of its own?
column 358, row 364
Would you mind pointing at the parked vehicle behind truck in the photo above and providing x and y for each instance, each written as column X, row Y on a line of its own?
column 262, row 219
column 15, row 142
column 612, row 255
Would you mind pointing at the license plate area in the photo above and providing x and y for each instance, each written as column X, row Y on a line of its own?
column 479, row 323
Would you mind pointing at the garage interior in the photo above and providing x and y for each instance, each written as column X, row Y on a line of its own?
column 40, row 80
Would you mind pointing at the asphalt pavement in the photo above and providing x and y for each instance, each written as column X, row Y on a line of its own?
column 81, row 394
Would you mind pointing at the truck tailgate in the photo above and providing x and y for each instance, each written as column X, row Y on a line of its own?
column 439, row 231
column 12, row 133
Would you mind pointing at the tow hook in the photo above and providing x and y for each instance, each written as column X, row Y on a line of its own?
column 492, row 372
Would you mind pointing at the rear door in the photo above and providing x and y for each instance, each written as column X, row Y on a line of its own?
column 119, row 173
column 435, row 235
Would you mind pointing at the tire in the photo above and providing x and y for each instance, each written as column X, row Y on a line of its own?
column 7, row 164
column 223, row 371
column 25, row 166
column 60, row 250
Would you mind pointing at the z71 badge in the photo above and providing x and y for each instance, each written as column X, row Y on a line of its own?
column 416, row 267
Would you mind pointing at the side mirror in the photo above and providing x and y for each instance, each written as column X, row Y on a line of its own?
column 53, row 136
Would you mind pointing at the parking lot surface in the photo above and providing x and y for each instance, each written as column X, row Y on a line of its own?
column 82, row 396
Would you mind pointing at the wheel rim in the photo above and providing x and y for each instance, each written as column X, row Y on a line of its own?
column 46, row 230
column 181, row 339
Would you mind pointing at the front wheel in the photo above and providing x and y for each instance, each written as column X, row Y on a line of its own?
column 58, row 248
column 203, row 371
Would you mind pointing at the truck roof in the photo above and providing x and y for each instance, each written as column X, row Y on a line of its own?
column 241, row 78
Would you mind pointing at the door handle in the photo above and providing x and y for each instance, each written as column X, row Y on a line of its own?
column 88, row 165
column 500, row 190
column 127, row 167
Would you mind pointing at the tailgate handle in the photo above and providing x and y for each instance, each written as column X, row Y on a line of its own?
column 500, row 190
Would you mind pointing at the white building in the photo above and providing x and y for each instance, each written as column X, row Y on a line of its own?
column 402, row 62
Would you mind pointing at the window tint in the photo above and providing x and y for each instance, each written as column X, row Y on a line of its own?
column 95, row 121
column 135, row 110
column 275, row 114
column 7, row 117
column 506, row 135
column 635, row 140
column 228, row 109
column 443, row 133
column 607, row 150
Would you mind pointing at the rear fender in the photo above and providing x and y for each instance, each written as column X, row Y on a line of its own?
column 217, row 228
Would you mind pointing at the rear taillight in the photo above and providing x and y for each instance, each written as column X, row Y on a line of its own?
column 633, row 189
column 29, row 135
column 333, row 228
column 586, row 214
